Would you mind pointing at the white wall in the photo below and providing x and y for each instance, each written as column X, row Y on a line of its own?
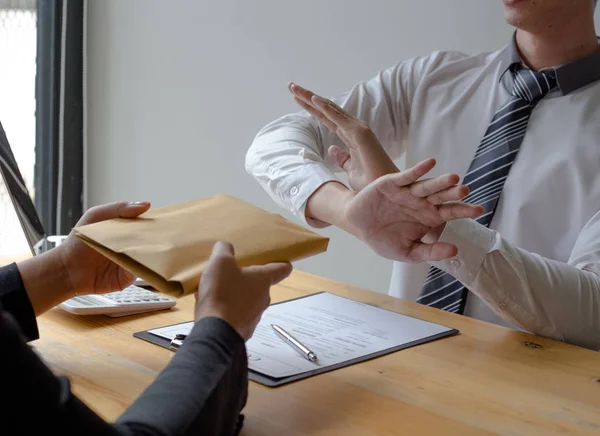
column 177, row 90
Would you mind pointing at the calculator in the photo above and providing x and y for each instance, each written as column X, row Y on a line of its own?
column 131, row 300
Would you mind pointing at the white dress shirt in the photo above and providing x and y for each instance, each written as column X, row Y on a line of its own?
column 537, row 267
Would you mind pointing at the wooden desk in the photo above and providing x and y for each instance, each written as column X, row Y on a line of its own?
column 484, row 381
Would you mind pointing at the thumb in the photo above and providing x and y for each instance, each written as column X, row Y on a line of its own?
column 222, row 249
column 126, row 278
column 435, row 252
column 120, row 209
column 340, row 157
column 271, row 272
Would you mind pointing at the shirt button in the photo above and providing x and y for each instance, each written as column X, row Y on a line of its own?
column 455, row 263
column 502, row 306
column 294, row 190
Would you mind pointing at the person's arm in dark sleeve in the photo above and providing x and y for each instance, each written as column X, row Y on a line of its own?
column 35, row 401
column 14, row 300
column 202, row 391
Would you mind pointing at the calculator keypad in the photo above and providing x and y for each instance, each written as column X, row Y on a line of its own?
column 135, row 295
column 129, row 301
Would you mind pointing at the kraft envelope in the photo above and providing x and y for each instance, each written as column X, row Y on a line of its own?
column 169, row 247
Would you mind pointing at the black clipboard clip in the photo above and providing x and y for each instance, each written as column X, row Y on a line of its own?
column 177, row 341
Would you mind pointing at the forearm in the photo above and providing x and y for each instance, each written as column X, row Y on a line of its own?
column 289, row 157
column 289, row 160
column 327, row 204
column 543, row 296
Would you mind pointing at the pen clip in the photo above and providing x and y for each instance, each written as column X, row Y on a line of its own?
column 177, row 341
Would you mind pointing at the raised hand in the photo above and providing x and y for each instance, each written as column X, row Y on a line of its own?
column 394, row 213
column 365, row 160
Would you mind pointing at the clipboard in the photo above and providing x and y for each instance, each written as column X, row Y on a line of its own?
column 272, row 382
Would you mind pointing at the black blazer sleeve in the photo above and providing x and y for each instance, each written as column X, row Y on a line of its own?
column 202, row 391
column 14, row 299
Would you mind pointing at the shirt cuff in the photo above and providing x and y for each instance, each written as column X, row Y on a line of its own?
column 302, row 184
column 14, row 300
column 473, row 242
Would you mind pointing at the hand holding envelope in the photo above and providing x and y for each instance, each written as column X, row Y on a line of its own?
column 169, row 247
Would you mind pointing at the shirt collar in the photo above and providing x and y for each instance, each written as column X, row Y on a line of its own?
column 571, row 76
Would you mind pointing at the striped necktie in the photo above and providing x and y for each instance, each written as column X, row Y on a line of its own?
column 488, row 172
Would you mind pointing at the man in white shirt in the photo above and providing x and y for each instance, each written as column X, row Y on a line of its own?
column 531, row 258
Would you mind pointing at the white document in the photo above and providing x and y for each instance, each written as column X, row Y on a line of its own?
column 169, row 332
column 336, row 329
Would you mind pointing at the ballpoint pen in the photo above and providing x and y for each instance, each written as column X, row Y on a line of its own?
column 295, row 343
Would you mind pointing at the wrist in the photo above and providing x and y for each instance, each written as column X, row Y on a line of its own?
column 46, row 280
column 62, row 262
column 328, row 204
column 207, row 310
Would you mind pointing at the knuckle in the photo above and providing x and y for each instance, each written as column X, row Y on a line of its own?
column 435, row 198
column 222, row 260
column 223, row 243
column 220, row 257
column 93, row 214
column 362, row 130
column 410, row 174
column 118, row 207
column 388, row 178
column 94, row 210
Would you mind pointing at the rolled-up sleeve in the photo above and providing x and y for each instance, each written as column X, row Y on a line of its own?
column 289, row 156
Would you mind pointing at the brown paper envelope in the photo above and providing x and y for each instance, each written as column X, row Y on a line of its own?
column 169, row 246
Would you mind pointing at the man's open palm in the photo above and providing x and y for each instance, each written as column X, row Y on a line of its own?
column 393, row 211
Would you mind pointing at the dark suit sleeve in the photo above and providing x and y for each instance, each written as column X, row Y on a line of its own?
column 211, row 369
column 202, row 390
column 14, row 300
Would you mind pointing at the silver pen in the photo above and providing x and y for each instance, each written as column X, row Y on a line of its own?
column 295, row 343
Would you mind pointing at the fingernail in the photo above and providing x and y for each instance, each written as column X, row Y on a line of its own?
column 139, row 203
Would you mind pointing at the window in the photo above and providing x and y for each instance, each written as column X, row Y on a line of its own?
column 41, row 111
column 18, row 36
